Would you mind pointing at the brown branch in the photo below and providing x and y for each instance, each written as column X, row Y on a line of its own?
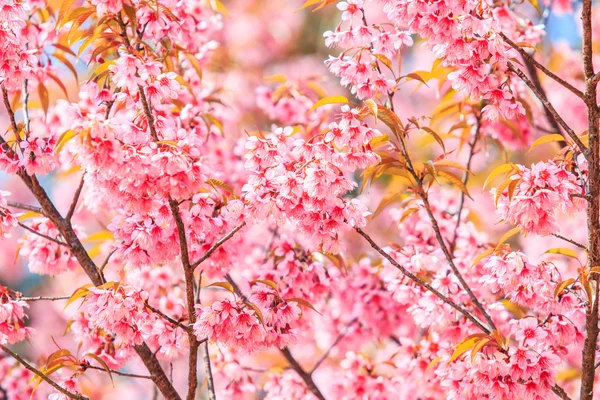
column 547, row 105
column 22, row 225
column 439, row 237
column 169, row 319
column 308, row 381
column 42, row 375
column 335, row 342
column 106, row 260
column 463, row 195
column 112, row 371
column 570, row 241
column 87, row 264
column 218, row 244
column 75, row 199
column 49, row 298
column 191, row 303
column 422, row 283
column 530, row 60
column 588, row 354
column 209, row 377
column 27, row 207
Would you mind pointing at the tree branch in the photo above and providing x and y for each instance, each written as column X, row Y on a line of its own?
column 465, row 181
column 422, row 283
column 533, row 62
column 75, row 199
column 570, row 241
column 548, row 106
column 43, row 376
column 27, row 207
column 308, row 381
column 87, row 264
column 218, row 244
column 336, row 341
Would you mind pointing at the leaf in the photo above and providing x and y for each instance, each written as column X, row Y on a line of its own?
column 219, row 7
column 372, row 106
column 100, row 236
column 508, row 235
column 62, row 58
column 130, row 12
column 103, row 67
column 65, row 6
column 455, row 181
column 224, row 285
column 564, row 252
column 256, row 311
column 465, row 346
column 77, row 294
column 478, row 347
column 195, row 64
column 555, row 137
column 386, row 61
column 44, row 97
column 329, row 100
column 279, row 78
column 435, row 136
column 417, row 76
column 60, row 84
column 393, row 122
column 563, row 285
column 27, row 215
column 504, row 168
column 221, row 184
column 318, row 89
column 56, row 355
column 433, row 363
column 63, row 139
column 483, row 255
column 515, row 309
column 267, row 282
column 536, row 5
column 451, row 164
column 104, row 365
column 500, row 189
column 304, row 303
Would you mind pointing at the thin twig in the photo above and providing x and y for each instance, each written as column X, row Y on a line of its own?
column 112, row 371
column 548, row 106
column 336, row 341
column 422, row 283
column 27, row 207
column 463, row 195
column 209, row 377
column 170, row 319
column 107, row 259
column 75, row 199
column 308, row 381
column 570, row 241
column 22, row 225
column 218, row 244
column 42, row 375
column 49, row 298
column 535, row 63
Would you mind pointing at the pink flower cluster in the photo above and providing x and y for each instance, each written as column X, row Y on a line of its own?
column 303, row 180
column 362, row 71
column 15, row 379
column 15, row 60
column 286, row 385
column 8, row 219
column 46, row 257
column 540, row 193
column 359, row 379
column 247, row 326
column 12, row 318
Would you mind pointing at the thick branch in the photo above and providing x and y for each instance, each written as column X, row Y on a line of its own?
column 43, row 376
column 22, row 206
